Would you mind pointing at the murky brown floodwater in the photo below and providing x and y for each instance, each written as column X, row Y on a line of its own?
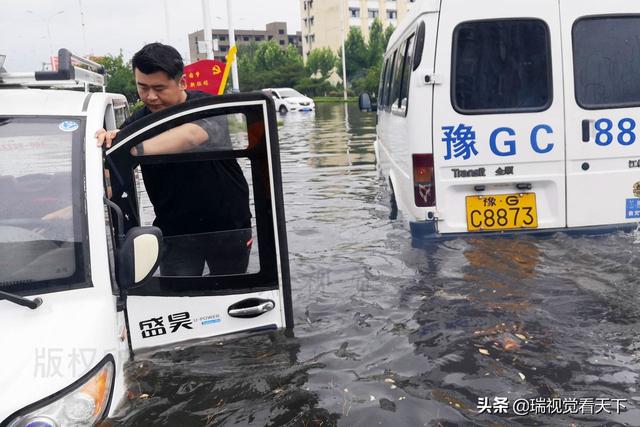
column 388, row 334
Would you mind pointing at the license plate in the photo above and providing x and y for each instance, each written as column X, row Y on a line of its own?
column 502, row 212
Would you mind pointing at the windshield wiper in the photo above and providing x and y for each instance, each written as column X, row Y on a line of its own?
column 25, row 302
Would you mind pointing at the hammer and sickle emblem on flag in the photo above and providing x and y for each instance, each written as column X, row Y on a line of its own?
column 216, row 70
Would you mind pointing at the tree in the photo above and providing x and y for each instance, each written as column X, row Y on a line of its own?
column 322, row 61
column 387, row 34
column 369, row 81
column 356, row 53
column 120, row 77
column 268, row 65
column 377, row 42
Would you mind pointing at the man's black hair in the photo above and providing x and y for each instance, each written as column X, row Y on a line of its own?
column 156, row 57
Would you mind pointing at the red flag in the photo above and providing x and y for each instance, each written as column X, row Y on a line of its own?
column 205, row 75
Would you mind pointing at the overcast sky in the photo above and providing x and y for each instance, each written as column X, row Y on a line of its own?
column 112, row 26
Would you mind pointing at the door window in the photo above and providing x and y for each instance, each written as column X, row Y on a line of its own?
column 205, row 208
column 501, row 66
column 606, row 58
column 397, row 76
column 381, row 86
column 386, row 90
column 204, row 180
column 406, row 76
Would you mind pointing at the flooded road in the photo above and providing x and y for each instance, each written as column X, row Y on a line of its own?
column 451, row 334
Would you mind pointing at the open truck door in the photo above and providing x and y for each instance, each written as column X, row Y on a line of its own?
column 219, row 204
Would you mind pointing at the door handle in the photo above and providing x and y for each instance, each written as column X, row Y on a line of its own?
column 252, row 307
column 586, row 130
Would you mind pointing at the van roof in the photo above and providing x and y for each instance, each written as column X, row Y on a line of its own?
column 420, row 7
column 43, row 102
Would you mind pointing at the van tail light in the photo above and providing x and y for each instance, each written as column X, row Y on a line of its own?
column 424, row 186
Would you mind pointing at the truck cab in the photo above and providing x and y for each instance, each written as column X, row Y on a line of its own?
column 80, row 288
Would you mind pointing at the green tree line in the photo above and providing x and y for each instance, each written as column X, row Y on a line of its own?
column 267, row 64
column 364, row 60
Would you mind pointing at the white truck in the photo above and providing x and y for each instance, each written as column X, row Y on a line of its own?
column 79, row 288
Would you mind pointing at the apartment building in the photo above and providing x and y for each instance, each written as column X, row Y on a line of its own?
column 274, row 31
column 323, row 21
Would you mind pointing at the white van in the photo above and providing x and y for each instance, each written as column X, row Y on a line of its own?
column 80, row 293
column 505, row 115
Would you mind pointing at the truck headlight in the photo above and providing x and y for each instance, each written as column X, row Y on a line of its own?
column 84, row 403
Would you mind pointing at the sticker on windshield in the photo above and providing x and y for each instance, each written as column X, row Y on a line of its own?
column 68, row 126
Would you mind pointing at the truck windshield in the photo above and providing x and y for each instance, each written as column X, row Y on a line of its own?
column 41, row 203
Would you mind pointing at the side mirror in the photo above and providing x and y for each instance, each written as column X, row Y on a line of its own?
column 138, row 256
column 364, row 101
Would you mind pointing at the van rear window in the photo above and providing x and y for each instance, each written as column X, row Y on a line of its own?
column 606, row 61
column 501, row 66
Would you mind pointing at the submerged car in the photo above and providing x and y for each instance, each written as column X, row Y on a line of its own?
column 80, row 291
column 287, row 99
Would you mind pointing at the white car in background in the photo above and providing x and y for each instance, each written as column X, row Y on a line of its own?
column 288, row 99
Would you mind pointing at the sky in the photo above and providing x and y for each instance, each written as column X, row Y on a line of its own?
column 115, row 26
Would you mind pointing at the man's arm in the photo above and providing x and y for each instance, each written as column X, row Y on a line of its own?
column 180, row 139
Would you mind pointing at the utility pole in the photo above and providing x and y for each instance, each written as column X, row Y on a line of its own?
column 84, row 32
column 232, row 43
column 208, row 37
column 166, row 23
column 344, row 61
column 48, row 22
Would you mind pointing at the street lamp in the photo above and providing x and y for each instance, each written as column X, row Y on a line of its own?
column 48, row 22
column 344, row 58
column 166, row 22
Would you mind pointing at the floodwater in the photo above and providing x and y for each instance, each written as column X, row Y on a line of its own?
column 394, row 335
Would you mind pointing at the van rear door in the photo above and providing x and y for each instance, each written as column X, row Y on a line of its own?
column 498, row 126
column 224, row 263
column 602, row 68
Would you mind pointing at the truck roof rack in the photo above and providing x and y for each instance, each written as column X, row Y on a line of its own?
column 69, row 74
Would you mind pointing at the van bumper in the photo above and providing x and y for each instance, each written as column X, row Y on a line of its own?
column 427, row 231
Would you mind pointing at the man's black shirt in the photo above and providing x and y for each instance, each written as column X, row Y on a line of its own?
column 196, row 197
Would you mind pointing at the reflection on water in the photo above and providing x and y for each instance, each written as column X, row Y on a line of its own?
column 387, row 334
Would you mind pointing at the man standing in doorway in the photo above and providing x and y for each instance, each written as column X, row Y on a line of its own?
column 202, row 208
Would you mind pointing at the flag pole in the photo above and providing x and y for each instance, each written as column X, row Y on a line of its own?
column 232, row 44
column 231, row 59
column 208, row 36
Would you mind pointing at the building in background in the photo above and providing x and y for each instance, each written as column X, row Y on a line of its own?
column 276, row 31
column 321, row 19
